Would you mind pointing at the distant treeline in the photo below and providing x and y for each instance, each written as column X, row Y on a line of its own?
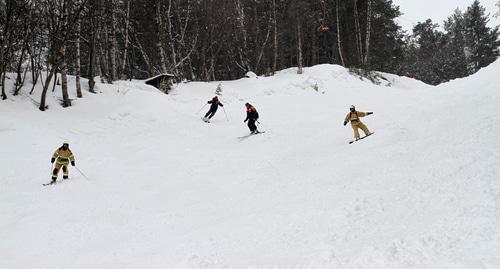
column 224, row 39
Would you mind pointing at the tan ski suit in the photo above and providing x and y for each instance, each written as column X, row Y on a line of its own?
column 63, row 158
column 354, row 118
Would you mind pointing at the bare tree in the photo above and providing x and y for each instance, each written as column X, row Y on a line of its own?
column 275, row 38
column 78, row 60
column 359, row 41
column 160, row 35
column 339, row 34
column 126, row 40
column 369, row 15
column 93, row 28
column 63, row 21
column 300, row 60
column 11, row 19
column 111, row 39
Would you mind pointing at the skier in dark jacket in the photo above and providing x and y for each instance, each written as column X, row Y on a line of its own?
column 252, row 117
column 215, row 103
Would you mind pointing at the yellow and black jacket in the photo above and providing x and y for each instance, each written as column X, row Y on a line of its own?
column 353, row 117
column 63, row 156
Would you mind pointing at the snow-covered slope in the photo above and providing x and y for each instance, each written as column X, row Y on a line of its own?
column 167, row 190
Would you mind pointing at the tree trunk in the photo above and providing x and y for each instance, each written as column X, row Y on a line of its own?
column 102, row 62
column 5, row 45
column 339, row 35
column 299, row 48
column 46, row 87
column 275, row 41
column 160, row 36
column 111, row 37
column 242, row 29
column 56, row 82
column 19, row 80
column 77, row 63
column 126, row 40
column 359, row 41
column 262, row 49
column 2, row 76
column 34, row 71
column 171, row 40
column 369, row 15
column 144, row 55
column 92, row 46
column 64, row 79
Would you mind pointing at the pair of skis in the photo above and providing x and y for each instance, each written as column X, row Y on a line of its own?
column 55, row 182
column 241, row 138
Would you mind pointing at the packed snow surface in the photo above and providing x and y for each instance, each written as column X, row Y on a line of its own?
column 167, row 190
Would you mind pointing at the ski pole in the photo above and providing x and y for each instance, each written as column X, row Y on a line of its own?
column 260, row 124
column 223, row 109
column 81, row 173
column 201, row 109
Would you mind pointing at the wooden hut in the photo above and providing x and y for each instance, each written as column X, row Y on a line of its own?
column 163, row 82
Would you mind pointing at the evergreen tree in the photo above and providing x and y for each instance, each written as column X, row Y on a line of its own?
column 481, row 41
column 387, row 43
column 455, row 60
column 426, row 49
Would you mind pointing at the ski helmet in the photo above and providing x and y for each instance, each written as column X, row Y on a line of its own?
column 352, row 108
column 247, row 104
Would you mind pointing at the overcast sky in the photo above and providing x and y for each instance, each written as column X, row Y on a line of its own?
column 438, row 10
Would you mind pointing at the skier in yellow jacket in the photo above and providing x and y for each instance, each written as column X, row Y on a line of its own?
column 354, row 117
column 62, row 157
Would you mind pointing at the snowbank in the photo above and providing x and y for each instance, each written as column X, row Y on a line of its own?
column 167, row 190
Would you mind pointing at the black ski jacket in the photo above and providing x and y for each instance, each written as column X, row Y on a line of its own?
column 252, row 114
column 215, row 104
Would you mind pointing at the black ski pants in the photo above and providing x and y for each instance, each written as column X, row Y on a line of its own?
column 210, row 113
column 251, row 125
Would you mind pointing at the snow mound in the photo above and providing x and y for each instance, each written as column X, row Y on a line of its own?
column 251, row 74
column 166, row 190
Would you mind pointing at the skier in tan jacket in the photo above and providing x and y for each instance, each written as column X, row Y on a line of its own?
column 62, row 157
column 354, row 117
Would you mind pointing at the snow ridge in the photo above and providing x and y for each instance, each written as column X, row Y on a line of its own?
column 167, row 190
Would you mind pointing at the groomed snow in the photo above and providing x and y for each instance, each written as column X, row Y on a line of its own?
column 167, row 190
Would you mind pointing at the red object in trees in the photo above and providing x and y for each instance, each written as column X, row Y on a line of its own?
column 324, row 24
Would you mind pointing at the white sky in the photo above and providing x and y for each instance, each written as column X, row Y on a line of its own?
column 438, row 10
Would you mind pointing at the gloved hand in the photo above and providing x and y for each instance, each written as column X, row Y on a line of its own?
column 345, row 123
column 369, row 113
column 52, row 160
column 72, row 163
column 245, row 121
